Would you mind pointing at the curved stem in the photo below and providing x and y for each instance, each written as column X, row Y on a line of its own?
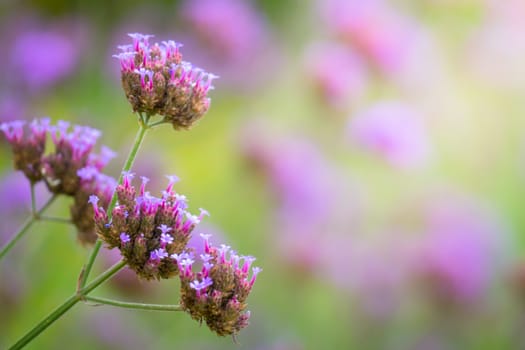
column 68, row 304
column 20, row 233
column 127, row 166
column 128, row 305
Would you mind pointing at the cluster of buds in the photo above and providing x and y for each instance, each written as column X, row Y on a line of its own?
column 157, row 81
column 72, row 169
column 217, row 293
column 149, row 231
column 28, row 144
column 152, row 235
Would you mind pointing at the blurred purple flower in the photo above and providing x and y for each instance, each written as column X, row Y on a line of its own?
column 231, row 27
column 309, row 191
column 41, row 57
column 393, row 131
column 235, row 34
column 384, row 36
column 463, row 248
column 337, row 71
column 374, row 270
column 11, row 108
column 298, row 171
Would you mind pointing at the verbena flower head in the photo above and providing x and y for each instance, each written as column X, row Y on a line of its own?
column 157, row 81
column 28, row 142
column 72, row 153
column 71, row 169
column 148, row 230
column 216, row 290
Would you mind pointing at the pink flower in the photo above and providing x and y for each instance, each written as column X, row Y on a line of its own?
column 233, row 27
column 42, row 57
column 380, row 33
column 337, row 71
column 393, row 131
column 463, row 247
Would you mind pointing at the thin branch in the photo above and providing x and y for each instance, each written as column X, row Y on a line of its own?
column 21, row 232
column 129, row 305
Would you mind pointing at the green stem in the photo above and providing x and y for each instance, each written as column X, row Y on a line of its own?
column 34, row 217
column 33, row 200
column 163, row 121
column 127, row 166
column 128, row 305
column 68, row 304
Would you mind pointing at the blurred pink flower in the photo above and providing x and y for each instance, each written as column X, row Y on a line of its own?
column 463, row 248
column 301, row 181
column 41, row 57
column 337, row 71
column 374, row 269
column 231, row 27
column 12, row 107
column 235, row 35
column 314, row 200
column 383, row 35
column 393, row 131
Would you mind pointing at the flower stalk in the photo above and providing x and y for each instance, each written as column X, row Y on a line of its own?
column 139, row 138
column 66, row 305
column 129, row 305
column 23, row 229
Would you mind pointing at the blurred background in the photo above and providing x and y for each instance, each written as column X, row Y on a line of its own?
column 370, row 154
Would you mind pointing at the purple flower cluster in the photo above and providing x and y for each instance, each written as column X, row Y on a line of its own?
column 152, row 235
column 157, row 81
column 217, row 292
column 71, row 169
column 28, row 145
column 72, row 162
column 148, row 230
